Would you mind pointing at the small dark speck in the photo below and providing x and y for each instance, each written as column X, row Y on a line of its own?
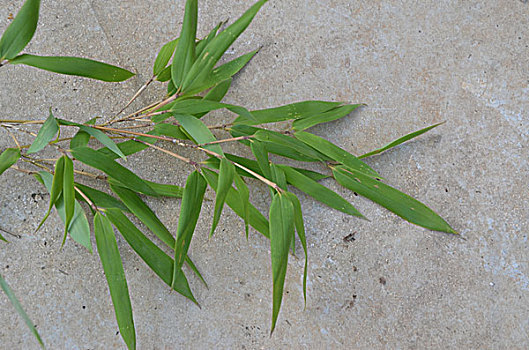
column 7, row 266
column 349, row 238
column 84, row 307
column 288, row 322
column 420, row 31
column 469, row 56
column 382, row 281
column 478, row 191
column 356, row 194
column 446, row 190
column 355, row 268
column 117, row 332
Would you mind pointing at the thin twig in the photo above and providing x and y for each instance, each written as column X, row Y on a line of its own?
column 162, row 138
column 246, row 137
column 90, row 203
column 136, row 95
column 222, row 126
column 184, row 159
column 10, row 233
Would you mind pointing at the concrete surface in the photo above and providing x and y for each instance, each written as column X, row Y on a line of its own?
column 396, row 285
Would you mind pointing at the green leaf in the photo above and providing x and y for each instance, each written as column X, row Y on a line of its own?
column 300, row 229
column 201, row 45
column 128, row 147
column 395, row 201
column 46, row 133
column 200, row 106
column 226, row 175
column 334, row 114
column 239, row 202
column 82, row 67
column 400, row 140
column 246, row 207
column 261, row 155
column 68, row 193
column 79, row 229
column 153, row 256
column 20, row 310
column 100, row 199
column 284, row 141
column 278, row 175
column 56, row 188
column 144, row 213
column 107, row 248
column 216, row 94
column 223, row 72
column 163, row 57
column 166, row 190
column 98, row 134
column 8, row 157
column 281, row 232
column 294, row 111
column 107, row 165
column 198, row 131
column 335, row 153
column 189, row 212
column 80, row 139
column 319, row 192
column 20, row 32
column 184, row 56
column 216, row 48
column 165, row 75
column 170, row 131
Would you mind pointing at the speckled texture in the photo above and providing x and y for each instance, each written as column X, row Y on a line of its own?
column 394, row 286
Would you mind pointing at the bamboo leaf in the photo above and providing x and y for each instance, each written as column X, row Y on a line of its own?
column 68, row 194
column 281, row 232
column 20, row 32
column 284, row 141
column 107, row 165
column 82, row 67
column 153, row 256
column 201, row 45
column 80, row 139
column 335, row 153
column 189, row 212
column 226, row 175
column 170, row 131
column 216, row 94
column 334, row 114
column 163, row 57
column 198, row 131
column 319, row 192
column 184, row 55
column 79, row 229
column 56, row 188
column 300, row 229
column 261, row 155
column 400, row 140
column 292, row 111
column 200, row 106
column 98, row 134
column 246, row 207
column 20, row 310
column 46, row 133
column 239, row 202
column 100, row 199
column 395, row 201
column 166, row 190
column 165, row 74
column 8, row 157
column 216, row 48
column 144, row 213
column 117, row 284
column 128, row 147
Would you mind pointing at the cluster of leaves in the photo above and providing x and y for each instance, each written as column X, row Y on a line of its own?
column 195, row 86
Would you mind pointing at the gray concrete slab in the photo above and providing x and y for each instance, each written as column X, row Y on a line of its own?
column 414, row 64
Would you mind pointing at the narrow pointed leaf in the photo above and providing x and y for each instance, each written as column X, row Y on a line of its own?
column 261, row 155
column 189, row 213
column 107, row 248
column 80, row 139
column 153, row 256
column 226, row 175
column 82, row 67
column 291, row 143
column 281, row 232
column 163, row 57
column 319, row 192
column 395, row 201
column 244, row 197
column 216, row 48
column 198, row 131
column 68, row 194
column 300, row 229
column 20, row 32
column 99, row 198
column 20, row 310
column 128, row 147
column 164, row 75
column 79, row 228
column 144, row 213
column 56, row 188
column 278, row 175
column 201, row 45
column 239, row 203
column 216, row 94
column 400, row 141
column 107, row 165
column 334, row 114
column 166, row 190
column 46, row 133
column 335, row 153
column 292, row 111
column 170, row 131
column 8, row 157
column 184, row 55
column 200, row 106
